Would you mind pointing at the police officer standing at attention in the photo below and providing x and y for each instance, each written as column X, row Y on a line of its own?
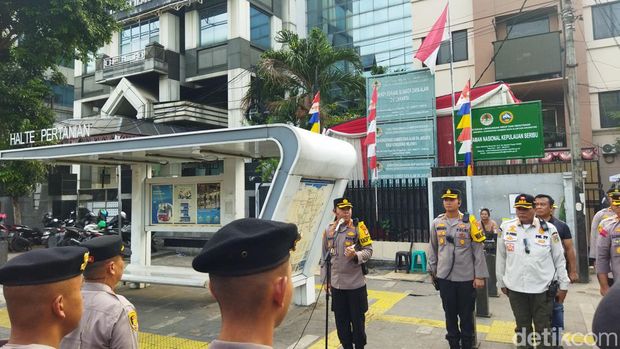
column 348, row 284
column 529, row 258
column 600, row 216
column 250, row 277
column 109, row 319
column 608, row 248
column 42, row 292
column 457, row 263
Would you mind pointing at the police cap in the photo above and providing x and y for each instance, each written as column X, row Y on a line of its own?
column 450, row 193
column 524, row 201
column 612, row 190
column 247, row 246
column 342, row 203
column 605, row 325
column 615, row 198
column 44, row 266
column 105, row 247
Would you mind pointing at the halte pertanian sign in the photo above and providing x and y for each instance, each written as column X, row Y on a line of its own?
column 58, row 133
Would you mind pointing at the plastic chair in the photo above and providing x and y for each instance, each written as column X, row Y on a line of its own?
column 418, row 266
column 403, row 261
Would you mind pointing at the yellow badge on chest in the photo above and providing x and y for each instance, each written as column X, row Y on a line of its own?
column 348, row 243
column 133, row 320
column 618, row 250
column 462, row 242
column 441, row 241
column 351, row 233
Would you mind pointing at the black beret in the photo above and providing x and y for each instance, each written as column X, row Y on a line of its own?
column 605, row 325
column 247, row 246
column 450, row 193
column 44, row 266
column 105, row 247
column 524, row 201
column 342, row 203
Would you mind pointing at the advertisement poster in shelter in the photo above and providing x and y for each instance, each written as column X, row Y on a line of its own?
column 161, row 204
column 184, row 203
column 208, row 203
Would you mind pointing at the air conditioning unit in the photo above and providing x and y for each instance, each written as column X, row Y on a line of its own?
column 609, row 149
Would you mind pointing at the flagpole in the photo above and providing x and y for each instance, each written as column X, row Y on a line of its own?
column 452, row 87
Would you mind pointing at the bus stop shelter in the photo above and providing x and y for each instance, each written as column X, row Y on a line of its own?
column 313, row 170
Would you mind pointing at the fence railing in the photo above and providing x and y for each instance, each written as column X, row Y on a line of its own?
column 393, row 210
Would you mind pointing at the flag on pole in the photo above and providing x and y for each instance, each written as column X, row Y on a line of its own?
column 315, row 119
column 465, row 137
column 371, row 135
column 429, row 49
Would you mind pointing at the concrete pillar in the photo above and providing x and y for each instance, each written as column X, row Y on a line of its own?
column 192, row 33
column 238, row 19
column 233, row 189
column 169, row 31
column 237, row 87
column 140, row 239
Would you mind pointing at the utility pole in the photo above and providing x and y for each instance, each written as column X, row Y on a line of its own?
column 572, row 103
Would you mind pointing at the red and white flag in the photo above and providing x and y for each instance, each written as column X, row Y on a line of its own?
column 371, row 135
column 427, row 52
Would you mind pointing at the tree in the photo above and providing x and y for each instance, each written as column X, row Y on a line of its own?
column 34, row 37
column 287, row 79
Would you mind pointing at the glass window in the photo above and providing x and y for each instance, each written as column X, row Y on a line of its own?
column 89, row 67
column 609, row 106
column 63, row 95
column 260, row 28
column 213, row 25
column 519, row 29
column 459, row 47
column 136, row 36
column 606, row 20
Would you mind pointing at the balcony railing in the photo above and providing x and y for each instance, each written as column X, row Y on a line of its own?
column 126, row 58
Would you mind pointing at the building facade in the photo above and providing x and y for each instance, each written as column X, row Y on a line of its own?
column 495, row 40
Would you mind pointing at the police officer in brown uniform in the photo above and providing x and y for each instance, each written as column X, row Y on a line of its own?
column 457, row 263
column 42, row 292
column 348, row 284
column 600, row 216
column 109, row 319
column 250, row 277
column 608, row 246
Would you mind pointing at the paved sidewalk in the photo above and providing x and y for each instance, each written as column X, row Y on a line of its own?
column 405, row 312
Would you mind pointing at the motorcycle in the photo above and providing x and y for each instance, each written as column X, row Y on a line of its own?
column 33, row 235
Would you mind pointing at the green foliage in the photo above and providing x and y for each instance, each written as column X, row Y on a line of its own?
column 34, row 37
column 267, row 168
column 287, row 79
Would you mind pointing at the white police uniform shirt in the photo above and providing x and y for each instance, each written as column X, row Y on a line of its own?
column 530, row 272
column 218, row 344
column 109, row 321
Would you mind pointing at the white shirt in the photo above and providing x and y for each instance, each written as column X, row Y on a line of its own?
column 530, row 272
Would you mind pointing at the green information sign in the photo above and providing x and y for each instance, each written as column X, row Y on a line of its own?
column 405, row 168
column 413, row 138
column 504, row 132
column 403, row 96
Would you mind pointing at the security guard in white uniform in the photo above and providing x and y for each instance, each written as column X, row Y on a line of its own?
column 608, row 248
column 529, row 257
column 456, row 261
column 42, row 292
column 109, row 320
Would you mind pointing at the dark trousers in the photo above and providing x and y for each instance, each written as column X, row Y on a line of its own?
column 349, row 307
column 532, row 308
column 458, row 300
column 557, row 322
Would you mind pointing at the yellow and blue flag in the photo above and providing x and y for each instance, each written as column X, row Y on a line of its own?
column 315, row 119
column 465, row 138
